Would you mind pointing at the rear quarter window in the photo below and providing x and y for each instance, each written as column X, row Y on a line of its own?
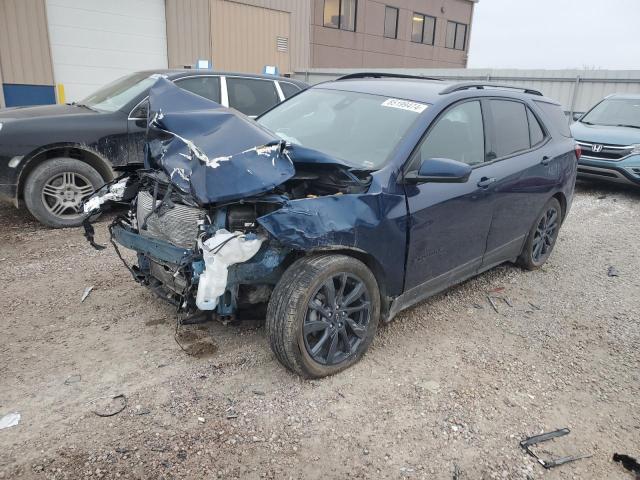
column 555, row 117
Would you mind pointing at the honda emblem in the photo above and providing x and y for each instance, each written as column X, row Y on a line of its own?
column 596, row 148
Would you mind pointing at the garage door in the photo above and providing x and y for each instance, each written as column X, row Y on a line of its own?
column 95, row 41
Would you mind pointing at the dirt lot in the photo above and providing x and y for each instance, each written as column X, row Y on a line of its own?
column 447, row 390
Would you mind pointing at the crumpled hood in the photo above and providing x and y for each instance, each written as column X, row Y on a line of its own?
column 605, row 134
column 214, row 153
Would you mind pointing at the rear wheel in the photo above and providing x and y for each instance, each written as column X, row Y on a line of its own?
column 542, row 237
column 323, row 314
column 55, row 190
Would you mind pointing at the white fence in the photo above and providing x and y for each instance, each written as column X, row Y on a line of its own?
column 576, row 90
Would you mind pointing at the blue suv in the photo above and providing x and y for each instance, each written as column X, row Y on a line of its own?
column 342, row 206
column 609, row 135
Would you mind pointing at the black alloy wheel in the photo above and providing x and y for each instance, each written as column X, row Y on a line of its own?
column 337, row 319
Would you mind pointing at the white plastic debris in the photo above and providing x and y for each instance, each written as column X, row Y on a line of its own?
column 9, row 420
column 220, row 252
column 115, row 193
column 86, row 293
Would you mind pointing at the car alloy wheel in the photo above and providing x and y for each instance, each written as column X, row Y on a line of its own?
column 545, row 235
column 63, row 193
column 337, row 319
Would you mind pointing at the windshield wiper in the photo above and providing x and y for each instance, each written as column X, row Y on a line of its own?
column 629, row 126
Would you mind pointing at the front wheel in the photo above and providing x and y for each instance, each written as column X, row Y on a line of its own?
column 55, row 190
column 323, row 314
column 542, row 237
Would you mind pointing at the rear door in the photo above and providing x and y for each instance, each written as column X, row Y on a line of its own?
column 207, row 86
column 251, row 96
column 449, row 222
column 523, row 174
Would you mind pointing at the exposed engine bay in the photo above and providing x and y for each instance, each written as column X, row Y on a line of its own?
column 200, row 215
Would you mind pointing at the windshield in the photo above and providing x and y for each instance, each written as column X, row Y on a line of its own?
column 615, row 112
column 119, row 93
column 358, row 128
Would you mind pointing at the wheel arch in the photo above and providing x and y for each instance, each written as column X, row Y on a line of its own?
column 69, row 150
column 562, row 199
column 369, row 260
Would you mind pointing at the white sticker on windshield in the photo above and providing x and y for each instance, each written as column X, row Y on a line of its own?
column 405, row 105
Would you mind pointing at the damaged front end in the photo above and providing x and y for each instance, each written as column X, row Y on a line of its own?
column 206, row 214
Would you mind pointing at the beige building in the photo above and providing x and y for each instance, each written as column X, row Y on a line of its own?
column 57, row 50
column 295, row 35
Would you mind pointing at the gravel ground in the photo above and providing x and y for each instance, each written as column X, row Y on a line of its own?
column 446, row 391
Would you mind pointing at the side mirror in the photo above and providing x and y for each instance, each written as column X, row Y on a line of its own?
column 440, row 170
column 577, row 116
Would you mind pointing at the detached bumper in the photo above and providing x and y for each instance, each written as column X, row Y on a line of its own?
column 149, row 247
column 625, row 171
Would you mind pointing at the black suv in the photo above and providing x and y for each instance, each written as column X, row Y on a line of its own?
column 55, row 156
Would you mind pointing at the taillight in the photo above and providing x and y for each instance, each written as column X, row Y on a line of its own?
column 578, row 151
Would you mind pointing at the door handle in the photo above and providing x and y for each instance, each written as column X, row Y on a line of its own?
column 485, row 182
column 546, row 160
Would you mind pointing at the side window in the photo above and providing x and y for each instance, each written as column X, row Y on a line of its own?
column 535, row 130
column 251, row 96
column 511, row 127
column 141, row 111
column 207, row 87
column 458, row 135
column 288, row 89
column 556, row 116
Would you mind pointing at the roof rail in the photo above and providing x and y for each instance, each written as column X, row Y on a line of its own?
column 383, row 75
column 456, row 87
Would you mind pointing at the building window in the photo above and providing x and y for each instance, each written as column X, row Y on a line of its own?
column 391, row 22
column 340, row 14
column 456, row 36
column 423, row 29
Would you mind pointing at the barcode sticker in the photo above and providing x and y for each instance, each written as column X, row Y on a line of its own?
column 405, row 105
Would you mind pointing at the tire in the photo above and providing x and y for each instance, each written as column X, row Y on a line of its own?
column 289, row 315
column 543, row 236
column 54, row 190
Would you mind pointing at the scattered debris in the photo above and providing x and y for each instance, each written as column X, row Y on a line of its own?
column 73, row 379
column 86, row 293
column 9, row 420
column 628, row 463
column 534, row 306
column 456, row 471
column 201, row 419
column 231, row 412
column 493, row 304
column 554, row 462
column 141, row 411
column 115, row 405
column 613, row 272
column 259, row 392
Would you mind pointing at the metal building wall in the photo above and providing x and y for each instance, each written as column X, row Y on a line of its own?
column 25, row 57
column 192, row 35
column 188, row 31
column 245, row 37
column 576, row 90
column 299, row 27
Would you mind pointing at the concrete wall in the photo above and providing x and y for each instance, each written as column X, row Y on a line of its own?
column 367, row 46
column 576, row 90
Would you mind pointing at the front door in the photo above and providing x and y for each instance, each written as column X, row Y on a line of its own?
column 449, row 222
